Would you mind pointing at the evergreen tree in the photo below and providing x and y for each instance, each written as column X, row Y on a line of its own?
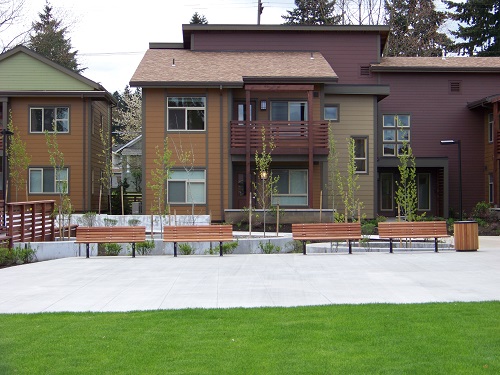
column 198, row 19
column 415, row 29
column 49, row 39
column 479, row 28
column 312, row 12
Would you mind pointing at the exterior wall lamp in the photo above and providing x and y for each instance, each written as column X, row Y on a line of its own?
column 459, row 143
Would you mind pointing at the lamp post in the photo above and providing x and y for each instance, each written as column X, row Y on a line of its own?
column 457, row 142
column 263, row 177
column 5, row 133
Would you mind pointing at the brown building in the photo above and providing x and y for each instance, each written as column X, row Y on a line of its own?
column 294, row 81
column 43, row 96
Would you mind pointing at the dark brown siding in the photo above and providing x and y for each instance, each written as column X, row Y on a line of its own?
column 437, row 114
column 346, row 52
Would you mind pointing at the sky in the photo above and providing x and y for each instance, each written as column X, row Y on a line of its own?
column 111, row 37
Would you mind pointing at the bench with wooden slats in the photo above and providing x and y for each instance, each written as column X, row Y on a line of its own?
column 414, row 229
column 326, row 232
column 198, row 233
column 120, row 234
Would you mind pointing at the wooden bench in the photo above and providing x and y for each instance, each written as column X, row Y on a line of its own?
column 326, row 232
column 414, row 229
column 121, row 234
column 198, row 233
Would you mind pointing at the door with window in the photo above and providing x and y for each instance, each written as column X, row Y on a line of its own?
column 240, row 111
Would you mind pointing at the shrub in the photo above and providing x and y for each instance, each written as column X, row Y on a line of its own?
column 134, row 222
column 368, row 229
column 112, row 249
column 25, row 254
column 110, row 222
column 145, row 248
column 295, row 246
column 186, row 249
column 6, row 256
column 88, row 219
column 269, row 248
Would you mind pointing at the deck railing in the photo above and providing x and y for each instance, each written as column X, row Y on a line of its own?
column 30, row 221
column 291, row 136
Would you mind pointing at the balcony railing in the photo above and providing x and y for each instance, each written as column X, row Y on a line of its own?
column 288, row 137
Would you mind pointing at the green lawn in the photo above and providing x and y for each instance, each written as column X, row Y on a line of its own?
column 454, row 338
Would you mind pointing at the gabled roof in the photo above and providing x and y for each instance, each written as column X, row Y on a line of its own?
column 185, row 68
column 438, row 64
column 25, row 72
column 484, row 102
column 130, row 144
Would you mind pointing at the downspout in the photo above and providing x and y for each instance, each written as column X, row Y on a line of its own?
column 84, row 153
column 221, row 126
column 247, row 145
column 310, row 128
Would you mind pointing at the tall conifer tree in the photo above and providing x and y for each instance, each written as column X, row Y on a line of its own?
column 312, row 12
column 49, row 39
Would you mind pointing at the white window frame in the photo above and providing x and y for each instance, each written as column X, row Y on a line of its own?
column 393, row 136
column 364, row 158
column 57, row 121
column 187, row 109
column 58, row 182
column 419, row 199
column 276, row 198
column 187, row 182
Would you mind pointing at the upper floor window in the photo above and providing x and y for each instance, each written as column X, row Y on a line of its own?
column 490, row 127
column 48, row 180
column 331, row 112
column 396, row 132
column 49, row 119
column 360, row 154
column 187, row 187
column 186, row 113
column 288, row 111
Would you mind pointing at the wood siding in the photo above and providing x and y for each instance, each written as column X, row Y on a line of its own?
column 346, row 52
column 436, row 114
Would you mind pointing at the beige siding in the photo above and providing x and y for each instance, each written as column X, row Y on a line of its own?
column 356, row 114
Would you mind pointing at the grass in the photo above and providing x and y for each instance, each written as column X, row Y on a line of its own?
column 453, row 338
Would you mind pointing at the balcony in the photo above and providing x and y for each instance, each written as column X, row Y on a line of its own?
column 292, row 138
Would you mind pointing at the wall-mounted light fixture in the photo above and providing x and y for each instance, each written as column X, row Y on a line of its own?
column 263, row 105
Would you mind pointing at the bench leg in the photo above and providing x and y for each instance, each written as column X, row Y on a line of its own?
column 350, row 246
column 435, row 245
column 220, row 248
column 133, row 249
column 304, row 247
column 87, row 247
column 175, row 249
column 390, row 245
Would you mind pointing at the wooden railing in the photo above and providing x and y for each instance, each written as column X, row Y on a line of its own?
column 30, row 221
column 288, row 137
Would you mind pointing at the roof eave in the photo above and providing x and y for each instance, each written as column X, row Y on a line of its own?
column 414, row 69
column 102, row 95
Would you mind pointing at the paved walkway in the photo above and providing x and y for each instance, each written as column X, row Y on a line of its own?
column 164, row 282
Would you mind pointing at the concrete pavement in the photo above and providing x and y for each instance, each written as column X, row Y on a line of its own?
column 254, row 280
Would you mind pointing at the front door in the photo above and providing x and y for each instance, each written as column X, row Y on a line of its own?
column 240, row 196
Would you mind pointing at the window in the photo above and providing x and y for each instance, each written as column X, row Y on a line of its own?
column 291, row 187
column 48, row 180
column 288, row 111
column 49, row 119
column 187, row 187
column 387, row 191
column 424, row 191
column 186, row 113
column 491, row 189
column 331, row 112
column 360, row 153
column 395, row 132
column 490, row 127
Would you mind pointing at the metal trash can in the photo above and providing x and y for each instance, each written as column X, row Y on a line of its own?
column 466, row 235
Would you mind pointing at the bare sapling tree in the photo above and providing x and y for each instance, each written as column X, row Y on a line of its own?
column 106, row 164
column 348, row 184
column 64, row 209
column 159, row 179
column 333, row 172
column 406, row 192
column 19, row 159
column 266, row 183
